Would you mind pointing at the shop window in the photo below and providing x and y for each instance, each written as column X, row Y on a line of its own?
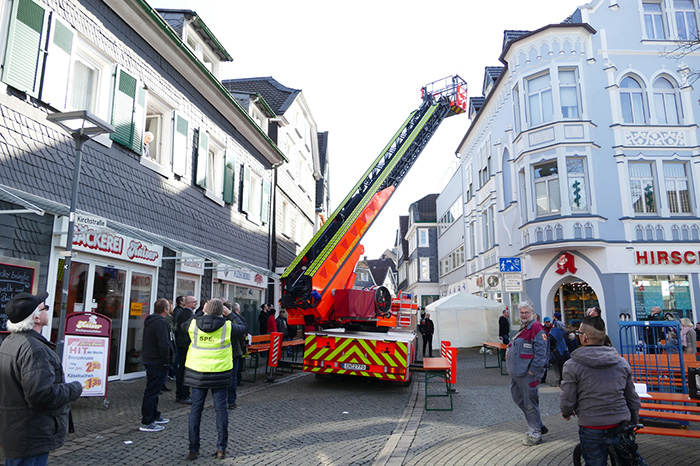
column 677, row 191
column 632, row 101
column 670, row 292
column 642, row 187
column 539, row 100
column 665, row 102
column 569, row 93
column 588, row 228
column 547, row 198
column 578, row 230
column 654, row 20
column 659, row 233
column 572, row 300
column 577, row 184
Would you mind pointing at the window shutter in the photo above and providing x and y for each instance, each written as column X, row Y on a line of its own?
column 179, row 144
column 123, row 108
column 265, row 202
column 245, row 190
column 139, row 122
column 229, row 176
column 54, row 86
column 23, row 53
column 202, row 155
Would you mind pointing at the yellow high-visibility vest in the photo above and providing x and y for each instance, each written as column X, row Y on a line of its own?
column 210, row 352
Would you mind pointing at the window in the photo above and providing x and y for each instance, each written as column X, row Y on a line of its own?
column 642, row 187
column 539, row 99
column 686, row 19
column 677, row 192
column 285, row 220
column 516, row 109
column 255, row 199
column 578, row 192
column 412, row 242
column 158, row 131
column 547, row 188
column 202, row 52
column 485, row 225
column 666, row 109
column 451, row 216
column 654, row 20
column 632, row 101
column 423, row 237
column 424, row 269
column 568, row 93
column 472, row 239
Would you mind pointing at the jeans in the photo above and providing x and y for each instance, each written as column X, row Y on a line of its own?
column 199, row 395
column 154, row 381
column 234, row 382
column 428, row 341
column 38, row 460
column 181, row 391
column 595, row 442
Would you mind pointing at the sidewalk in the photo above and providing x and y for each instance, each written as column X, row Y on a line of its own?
column 302, row 420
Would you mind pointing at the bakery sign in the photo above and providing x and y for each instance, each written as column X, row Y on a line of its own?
column 111, row 244
column 666, row 257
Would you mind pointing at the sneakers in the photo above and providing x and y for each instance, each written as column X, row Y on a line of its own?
column 232, row 406
column 161, row 420
column 153, row 427
column 532, row 441
column 544, row 429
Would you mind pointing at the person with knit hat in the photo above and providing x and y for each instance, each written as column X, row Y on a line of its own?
column 34, row 397
column 557, row 321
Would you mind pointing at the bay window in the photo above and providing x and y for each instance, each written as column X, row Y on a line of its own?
column 568, row 93
column 547, row 197
column 539, row 100
column 677, row 192
column 577, row 185
column 642, row 187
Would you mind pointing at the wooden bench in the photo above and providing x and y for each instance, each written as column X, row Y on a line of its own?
column 261, row 344
column 498, row 346
column 437, row 368
column 661, row 371
column 665, row 406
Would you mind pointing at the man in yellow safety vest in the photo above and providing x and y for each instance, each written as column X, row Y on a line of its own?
column 209, row 365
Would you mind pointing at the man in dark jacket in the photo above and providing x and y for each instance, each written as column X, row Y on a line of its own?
column 182, row 392
column 504, row 327
column 597, row 386
column 34, row 398
column 156, row 353
column 209, row 365
column 262, row 320
column 427, row 328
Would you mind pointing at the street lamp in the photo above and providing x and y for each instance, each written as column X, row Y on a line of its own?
column 82, row 126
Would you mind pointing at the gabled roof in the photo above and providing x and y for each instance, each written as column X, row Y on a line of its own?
column 424, row 210
column 279, row 97
column 177, row 20
column 475, row 104
column 494, row 72
column 380, row 268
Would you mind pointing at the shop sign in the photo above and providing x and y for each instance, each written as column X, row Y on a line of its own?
column 665, row 257
column 242, row 276
column 191, row 264
column 86, row 352
column 566, row 263
column 89, row 239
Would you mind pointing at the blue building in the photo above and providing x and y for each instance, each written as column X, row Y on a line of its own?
column 582, row 160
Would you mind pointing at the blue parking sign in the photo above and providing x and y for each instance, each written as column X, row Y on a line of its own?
column 510, row 264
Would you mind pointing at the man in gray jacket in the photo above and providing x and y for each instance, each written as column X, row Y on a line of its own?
column 34, row 397
column 597, row 387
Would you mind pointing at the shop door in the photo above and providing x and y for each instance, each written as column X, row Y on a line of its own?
column 108, row 291
column 140, row 302
column 572, row 300
column 77, row 292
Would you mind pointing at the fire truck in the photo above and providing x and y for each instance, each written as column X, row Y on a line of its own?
column 364, row 332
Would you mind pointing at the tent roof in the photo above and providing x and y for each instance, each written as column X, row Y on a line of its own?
column 462, row 301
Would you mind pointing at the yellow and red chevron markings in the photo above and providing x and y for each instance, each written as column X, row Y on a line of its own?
column 386, row 360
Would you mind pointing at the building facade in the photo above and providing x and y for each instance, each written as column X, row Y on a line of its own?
column 582, row 162
column 162, row 208
column 422, row 260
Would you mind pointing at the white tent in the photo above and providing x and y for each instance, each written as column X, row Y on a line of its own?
column 465, row 319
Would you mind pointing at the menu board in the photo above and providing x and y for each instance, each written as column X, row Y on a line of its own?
column 85, row 360
column 16, row 276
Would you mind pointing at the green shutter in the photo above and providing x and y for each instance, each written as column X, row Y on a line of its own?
column 54, row 86
column 23, row 53
column 229, row 176
column 139, row 122
column 202, row 156
column 245, row 189
column 265, row 202
column 123, row 108
column 179, row 144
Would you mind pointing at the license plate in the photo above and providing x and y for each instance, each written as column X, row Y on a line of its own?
column 354, row 367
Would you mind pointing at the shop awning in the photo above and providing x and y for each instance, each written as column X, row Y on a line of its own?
column 13, row 195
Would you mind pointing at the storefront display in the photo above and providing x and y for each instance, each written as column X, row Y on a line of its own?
column 572, row 300
column 670, row 292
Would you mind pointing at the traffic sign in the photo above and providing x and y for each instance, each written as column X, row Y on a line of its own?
column 512, row 282
column 510, row 264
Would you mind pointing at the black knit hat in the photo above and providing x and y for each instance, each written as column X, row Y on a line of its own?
column 23, row 304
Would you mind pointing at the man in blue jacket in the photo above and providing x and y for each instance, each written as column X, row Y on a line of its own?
column 34, row 397
column 526, row 359
column 157, row 354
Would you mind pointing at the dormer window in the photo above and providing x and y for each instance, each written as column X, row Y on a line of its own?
column 202, row 51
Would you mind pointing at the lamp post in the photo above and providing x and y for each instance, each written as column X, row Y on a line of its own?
column 82, row 126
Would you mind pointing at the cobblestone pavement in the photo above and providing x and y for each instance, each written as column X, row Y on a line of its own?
column 302, row 420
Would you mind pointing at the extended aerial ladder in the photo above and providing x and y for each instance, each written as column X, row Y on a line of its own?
column 327, row 263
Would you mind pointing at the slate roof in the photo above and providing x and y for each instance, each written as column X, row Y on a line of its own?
column 512, row 34
column 277, row 96
column 380, row 268
column 424, row 210
column 494, row 72
column 322, row 157
column 475, row 104
column 177, row 20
